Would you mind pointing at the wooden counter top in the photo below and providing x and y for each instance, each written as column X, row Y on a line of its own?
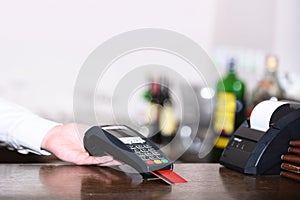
column 205, row 181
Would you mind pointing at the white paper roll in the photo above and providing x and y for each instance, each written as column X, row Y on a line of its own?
column 262, row 113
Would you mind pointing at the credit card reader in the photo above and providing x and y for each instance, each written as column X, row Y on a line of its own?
column 128, row 146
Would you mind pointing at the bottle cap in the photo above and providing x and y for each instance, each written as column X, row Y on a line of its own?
column 231, row 65
column 271, row 63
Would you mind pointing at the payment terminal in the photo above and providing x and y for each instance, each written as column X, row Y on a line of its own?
column 128, row 146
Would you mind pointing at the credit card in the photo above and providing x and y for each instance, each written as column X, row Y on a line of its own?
column 169, row 176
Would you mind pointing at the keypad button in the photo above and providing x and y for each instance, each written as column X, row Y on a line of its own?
column 150, row 162
column 146, row 146
column 152, row 158
column 157, row 162
column 155, row 153
column 143, row 157
column 147, row 153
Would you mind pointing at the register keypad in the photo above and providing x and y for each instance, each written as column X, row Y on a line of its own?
column 148, row 153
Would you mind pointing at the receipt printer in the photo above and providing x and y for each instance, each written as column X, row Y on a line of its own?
column 257, row 145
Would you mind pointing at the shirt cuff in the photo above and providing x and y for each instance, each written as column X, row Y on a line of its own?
column 30, row 132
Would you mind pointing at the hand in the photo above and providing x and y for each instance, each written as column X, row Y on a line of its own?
column 66, row 144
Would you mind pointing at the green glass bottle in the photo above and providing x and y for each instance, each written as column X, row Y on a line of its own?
column 230, row 109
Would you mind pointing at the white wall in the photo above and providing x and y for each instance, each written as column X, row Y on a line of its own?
column 287, row 34
column 44, row 43
column 287, row 44
column 247, row 24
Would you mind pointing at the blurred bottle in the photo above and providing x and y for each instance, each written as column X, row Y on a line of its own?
column 269, row 86
column 230, row 109
column 162, row 122
column 154, row 110
column 167, row 120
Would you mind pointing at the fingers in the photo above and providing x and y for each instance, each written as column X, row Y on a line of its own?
column 101, row 161
column 112, row 163
column 91, row 160
column 106, row 160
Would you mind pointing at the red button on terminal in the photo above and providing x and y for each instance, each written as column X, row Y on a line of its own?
column 150, row 162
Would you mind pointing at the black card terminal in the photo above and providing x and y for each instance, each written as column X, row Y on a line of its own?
column 128, row 146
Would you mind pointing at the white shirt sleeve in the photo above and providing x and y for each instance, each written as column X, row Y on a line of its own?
column 21, row 129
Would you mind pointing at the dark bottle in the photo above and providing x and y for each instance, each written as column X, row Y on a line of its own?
column 230, row 109
column 162, row 123
column 269, row 86
column 167, row 120
column 154, row 112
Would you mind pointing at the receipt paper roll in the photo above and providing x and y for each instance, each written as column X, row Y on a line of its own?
column 262, row 114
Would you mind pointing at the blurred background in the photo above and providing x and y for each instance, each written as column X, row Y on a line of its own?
column 43, row 45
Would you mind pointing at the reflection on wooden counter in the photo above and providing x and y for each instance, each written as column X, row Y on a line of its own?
column 205, row 181
column 98, row 182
